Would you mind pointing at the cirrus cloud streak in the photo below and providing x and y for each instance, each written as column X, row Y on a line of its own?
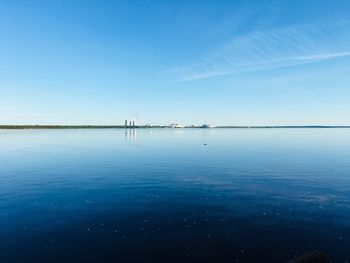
column 272, row 49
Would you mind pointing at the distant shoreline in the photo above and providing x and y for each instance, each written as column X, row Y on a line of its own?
column 30, row 127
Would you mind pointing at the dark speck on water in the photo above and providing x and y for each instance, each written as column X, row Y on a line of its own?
column 154, row 195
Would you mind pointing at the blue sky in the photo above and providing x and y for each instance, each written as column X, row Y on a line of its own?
column 222, row 62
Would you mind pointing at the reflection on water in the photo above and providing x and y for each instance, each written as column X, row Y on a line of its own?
column 131, row 134
column 174, row 195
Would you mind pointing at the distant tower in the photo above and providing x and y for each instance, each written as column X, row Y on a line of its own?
column 126, row 123
column 133, row 123
column 130, row 123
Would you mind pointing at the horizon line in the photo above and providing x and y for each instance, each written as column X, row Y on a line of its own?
column 92, row 126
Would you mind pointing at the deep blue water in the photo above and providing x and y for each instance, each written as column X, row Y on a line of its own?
column 162, row 195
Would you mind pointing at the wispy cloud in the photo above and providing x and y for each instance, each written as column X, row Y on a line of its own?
column 282, row 47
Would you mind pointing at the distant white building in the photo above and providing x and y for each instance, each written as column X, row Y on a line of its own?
column 175, row 125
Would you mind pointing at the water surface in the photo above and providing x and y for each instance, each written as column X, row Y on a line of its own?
column 174, row 195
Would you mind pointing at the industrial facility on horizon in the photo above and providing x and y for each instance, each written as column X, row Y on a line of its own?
column 130, row 123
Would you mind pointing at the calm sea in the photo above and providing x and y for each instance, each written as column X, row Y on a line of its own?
column 174, row 195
